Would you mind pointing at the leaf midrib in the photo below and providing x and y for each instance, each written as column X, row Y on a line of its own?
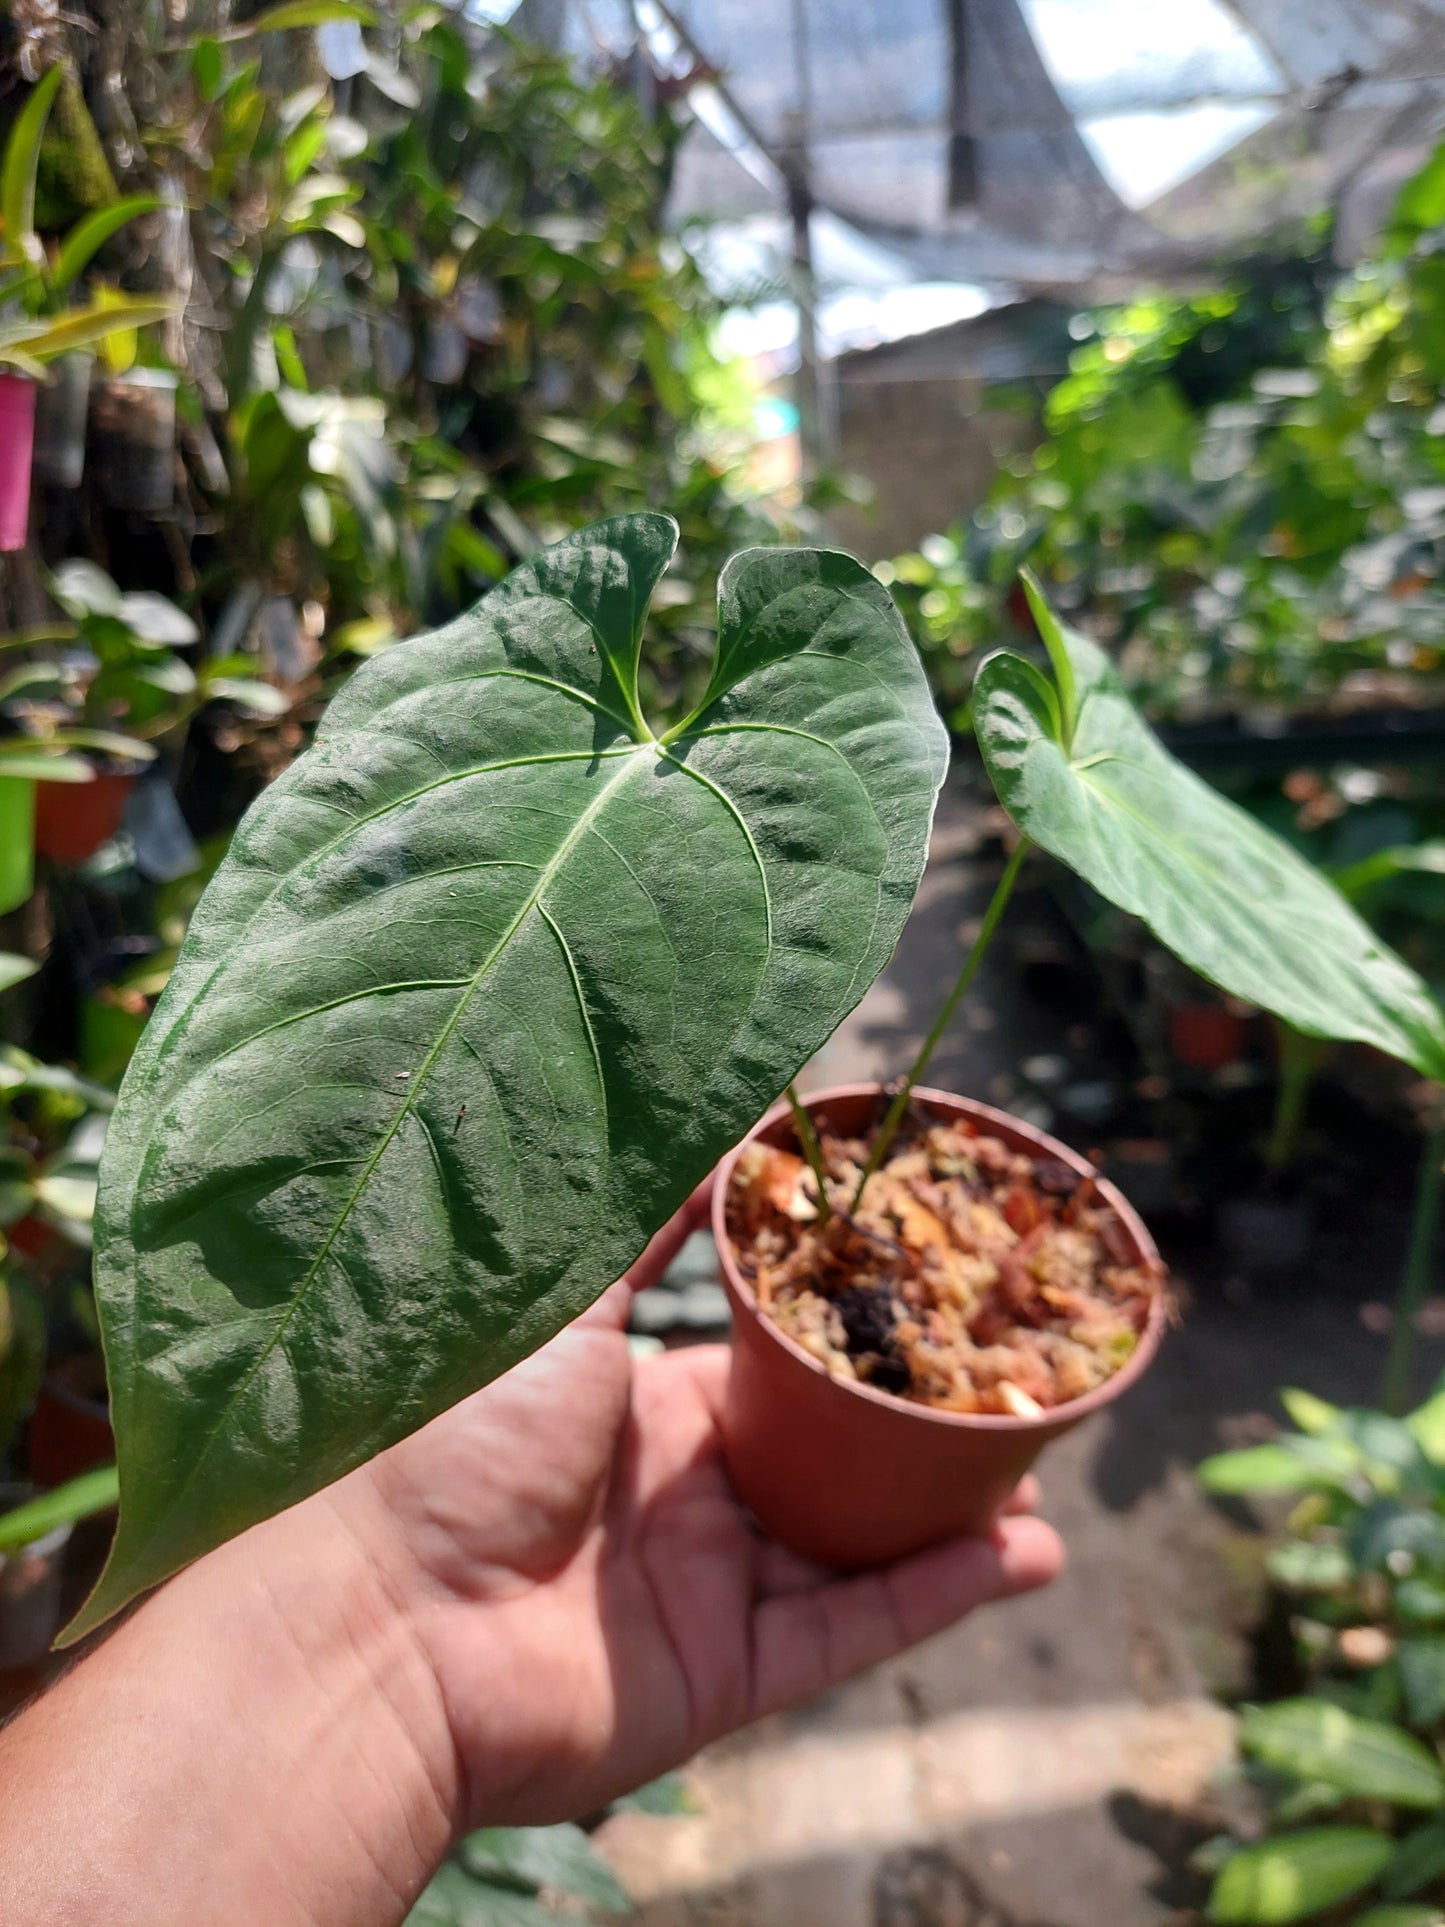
column 554, row 864
column 630, row 753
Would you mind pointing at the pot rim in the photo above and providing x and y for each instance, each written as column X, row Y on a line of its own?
column 146, row 377
column 745, row 1303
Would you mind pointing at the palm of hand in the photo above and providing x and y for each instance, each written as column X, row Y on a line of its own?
column 597, row 1605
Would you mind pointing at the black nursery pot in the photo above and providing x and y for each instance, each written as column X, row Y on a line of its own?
column 61, row 407
column 133, row 441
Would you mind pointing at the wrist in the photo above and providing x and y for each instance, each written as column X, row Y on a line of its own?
column 263, row 1740
column 313, row 1639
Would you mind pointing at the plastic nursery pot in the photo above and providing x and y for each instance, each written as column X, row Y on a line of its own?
column 1206, row 1037
column 17, row 841
column 70, row 1430
column 72, row 820
column 29, row 1589
column 17, row 436
column 133, row 440
column 852, row 1477
column 61, row 407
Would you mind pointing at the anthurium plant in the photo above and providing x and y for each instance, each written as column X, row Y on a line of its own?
column 495, row 973
column 487, row 983
column 1084, row 777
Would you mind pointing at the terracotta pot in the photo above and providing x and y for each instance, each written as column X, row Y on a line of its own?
column 70, row 1430
column 852, row 1477
column 17, row 438
column 1206, row 1036
column 72, row 820
column 61, row 407
column 33, row 1238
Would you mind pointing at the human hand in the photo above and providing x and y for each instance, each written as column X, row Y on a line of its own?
column 541, row 1600
column 593, row 1600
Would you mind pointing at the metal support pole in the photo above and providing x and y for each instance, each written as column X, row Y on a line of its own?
column 808, row 392
column 811, row 390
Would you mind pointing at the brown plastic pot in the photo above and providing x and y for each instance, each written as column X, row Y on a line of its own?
column 72, row 820
column 70, row 1430
column 1206, row 1037
column 852, row 1477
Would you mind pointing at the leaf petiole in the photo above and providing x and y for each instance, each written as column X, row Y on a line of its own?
column 888, row 1130
column 812, row 1151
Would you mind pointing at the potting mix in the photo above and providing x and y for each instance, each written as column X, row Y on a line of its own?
column 971, row 1278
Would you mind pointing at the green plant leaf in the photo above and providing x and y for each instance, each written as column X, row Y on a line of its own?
column 1296, row 1875
column 1419, row 1601
column 1231, row 900
column 1306, row 1565
column 89, row 236
column 487, row 982
column 1422, row 1675
column 21, row 756
column 307, row 13
column 1426, row 859
column 17, row 171
column 1427, row 1425
column 1312, row 1740
column 455, row 1899
column 247, row 692
column 1312, row 1415
column 560, row 1857
column 1255, row 1468
column 1385, row 1532
column 67, row 1505
column 1051, row 630
column 1418, row 1860
column 1410, row 1914
column 14, row 970
column 664, row 1796
column 43, row 341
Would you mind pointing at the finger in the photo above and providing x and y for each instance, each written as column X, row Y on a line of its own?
column 780, row 1571
column 610, row 1312
column 807, row 1641
column 1024, row 1497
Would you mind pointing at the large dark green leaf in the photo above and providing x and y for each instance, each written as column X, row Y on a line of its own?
column 1296, row 1875
column 486, row 984
column 1084, row 776
column 1313, row 1740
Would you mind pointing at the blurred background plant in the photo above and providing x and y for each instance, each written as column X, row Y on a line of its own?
column 1344, row 1770
column 349, row 309
column 1240, row 491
